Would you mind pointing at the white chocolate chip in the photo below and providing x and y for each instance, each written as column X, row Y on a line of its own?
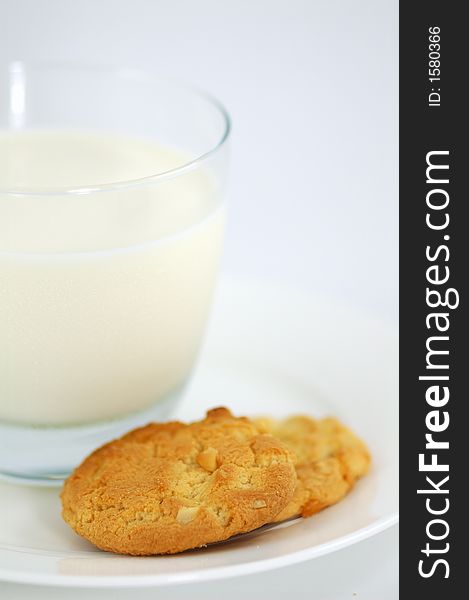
column 186, row 514
column 259, row 504
column 207, row 459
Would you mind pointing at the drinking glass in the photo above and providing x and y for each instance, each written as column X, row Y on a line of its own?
column 111, row 227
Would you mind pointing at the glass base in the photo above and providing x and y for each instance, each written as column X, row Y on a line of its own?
column 47, row 455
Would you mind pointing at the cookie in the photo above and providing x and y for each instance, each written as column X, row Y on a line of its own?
column 168, row 487
column 330, row 458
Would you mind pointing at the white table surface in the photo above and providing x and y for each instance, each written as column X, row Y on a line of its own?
column 312, row 89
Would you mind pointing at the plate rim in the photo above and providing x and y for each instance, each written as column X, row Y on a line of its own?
column 210, row 574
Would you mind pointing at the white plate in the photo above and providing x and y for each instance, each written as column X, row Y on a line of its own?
column 268, row 351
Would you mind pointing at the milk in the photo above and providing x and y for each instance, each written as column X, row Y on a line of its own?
column 103, row 295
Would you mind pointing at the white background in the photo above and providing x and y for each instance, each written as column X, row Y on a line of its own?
column 312, row 89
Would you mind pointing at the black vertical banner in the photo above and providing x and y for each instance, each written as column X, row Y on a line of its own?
column 434, row 252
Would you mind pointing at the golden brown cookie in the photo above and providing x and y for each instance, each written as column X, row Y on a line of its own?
column 330, row 458
column 168, row 487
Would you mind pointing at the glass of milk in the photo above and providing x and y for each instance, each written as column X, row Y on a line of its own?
column 111, row 227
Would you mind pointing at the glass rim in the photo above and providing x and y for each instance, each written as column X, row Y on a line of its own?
column 135, row 74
